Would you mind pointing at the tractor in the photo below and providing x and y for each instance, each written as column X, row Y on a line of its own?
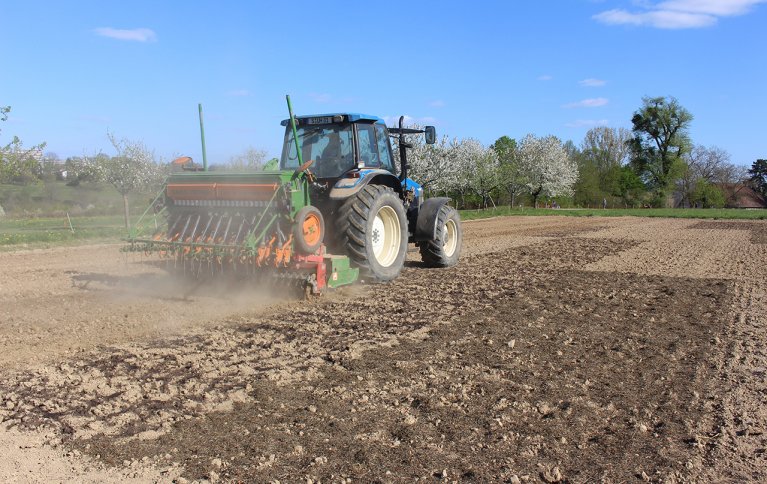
column 338, row 209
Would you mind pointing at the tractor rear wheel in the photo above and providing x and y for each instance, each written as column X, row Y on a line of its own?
column 373, row 229
column 445, row 249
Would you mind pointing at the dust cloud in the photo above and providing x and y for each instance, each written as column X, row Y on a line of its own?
column 63, row 301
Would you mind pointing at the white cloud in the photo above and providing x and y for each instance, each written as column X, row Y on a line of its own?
column 135, row 35
column 592, row 83
column 437, row 103
column 661, row 19
column 545, row 77
column 239, row 93
column 588, row 103
column 720, row 8
column 587, row 123
column 678, row 14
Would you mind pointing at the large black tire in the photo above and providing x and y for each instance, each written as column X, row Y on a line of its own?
column 373, row 230
column 445, row 249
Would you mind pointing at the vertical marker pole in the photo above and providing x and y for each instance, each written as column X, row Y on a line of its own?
column 202, row 137
column 293, row 127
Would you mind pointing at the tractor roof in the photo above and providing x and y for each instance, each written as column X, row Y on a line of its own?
column 350, row 117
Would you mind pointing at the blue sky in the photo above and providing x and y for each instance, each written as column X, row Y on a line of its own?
column 74, row 70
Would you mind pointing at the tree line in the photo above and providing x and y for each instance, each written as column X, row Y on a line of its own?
column 655, row 164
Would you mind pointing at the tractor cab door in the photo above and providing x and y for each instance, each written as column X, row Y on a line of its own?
column 373, row 147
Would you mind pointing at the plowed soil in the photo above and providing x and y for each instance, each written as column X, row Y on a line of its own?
column 558, row 350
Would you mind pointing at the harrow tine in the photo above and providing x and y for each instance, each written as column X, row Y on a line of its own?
column 194, row 230
column 173, row 226
column 186, row 226
column 207, row 226
column 226, row 231
column 218, row 226
column 239, row 231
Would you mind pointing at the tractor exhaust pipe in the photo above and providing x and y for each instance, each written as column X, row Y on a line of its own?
column 403, row 146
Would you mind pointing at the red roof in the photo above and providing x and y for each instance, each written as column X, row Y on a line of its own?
column 739, row 195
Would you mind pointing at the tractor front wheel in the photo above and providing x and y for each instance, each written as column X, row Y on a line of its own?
column 445, row 249
column 373, row 229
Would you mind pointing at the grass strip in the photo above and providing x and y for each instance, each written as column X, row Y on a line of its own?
column 701, row 213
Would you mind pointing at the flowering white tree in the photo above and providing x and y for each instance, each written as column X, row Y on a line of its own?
column 134, row 168
column 481, row 168
column 432, row 166
column 250, row 159
column 17, row 163
column 546, row 167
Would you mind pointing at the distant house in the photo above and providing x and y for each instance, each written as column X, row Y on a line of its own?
column 33, row 153
column 740, row 195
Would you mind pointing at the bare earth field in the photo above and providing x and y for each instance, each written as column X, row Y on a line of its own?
column 559, row 350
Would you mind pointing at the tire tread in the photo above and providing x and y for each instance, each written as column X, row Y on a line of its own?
column 352, row 221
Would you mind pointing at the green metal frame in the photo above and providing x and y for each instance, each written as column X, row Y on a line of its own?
column 340, row 273
column 296, row 188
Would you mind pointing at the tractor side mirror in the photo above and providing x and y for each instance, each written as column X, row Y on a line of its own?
column 431, row 135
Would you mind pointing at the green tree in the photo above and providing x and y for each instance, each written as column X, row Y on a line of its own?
column 607, row 149
column 630, row 187
column 587, row 189
column 758, row 176
column 511, row 175
column 660, row 129
column 707, row 195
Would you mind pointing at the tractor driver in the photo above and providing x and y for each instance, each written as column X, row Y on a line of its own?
column 335, row 156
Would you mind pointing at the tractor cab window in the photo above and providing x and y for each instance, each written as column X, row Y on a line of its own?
column 383, row 148
column 329, row 145
column 374, row 146
column 366, row 139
